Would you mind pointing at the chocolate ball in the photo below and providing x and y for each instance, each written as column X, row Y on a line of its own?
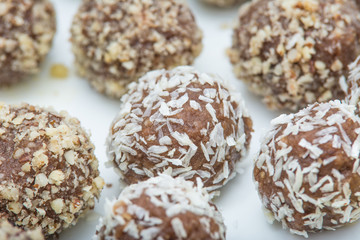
column 116, row 42
column 162, row 208
column 353, row 93
column 182, row 122
column 293, row 53
column 26, row 32
column 10, row 232
column 307, row 172
column 49, row 174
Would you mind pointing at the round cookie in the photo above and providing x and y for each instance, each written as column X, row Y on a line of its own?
column 116, row 42
column 182, row 122
column 9, row 232
column 26, row 32
column 49, row 174
column 307, row 173
column 162, row 208
column 223, row 3
column 296, row 52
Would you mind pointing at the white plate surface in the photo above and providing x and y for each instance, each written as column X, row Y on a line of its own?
column 239, row 203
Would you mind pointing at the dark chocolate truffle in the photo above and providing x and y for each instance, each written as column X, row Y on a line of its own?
column 296, row 52
column 26, row 32
column 307, row 172
column 49, row 174
column 116, row 42
column 162, row 208
column 182, row 122
column 10, row 232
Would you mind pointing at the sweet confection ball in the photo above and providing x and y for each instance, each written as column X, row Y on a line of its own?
column 27, row 28
column 223, row 3
column 182, row 122
column 296, row 52
column 162, row 208
column 49, row 174
column 9, row 232
column 116, row 42
column 307, row 173
column 353, row 93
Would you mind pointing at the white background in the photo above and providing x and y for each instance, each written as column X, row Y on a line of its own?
column 238, row 202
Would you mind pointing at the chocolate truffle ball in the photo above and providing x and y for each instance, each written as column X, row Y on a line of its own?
column 223, row 3
column 49, row 174
column 162, row 208
column 307, row 172
column 9, row 232
column 296, row 52
column 182, row 122
column 116, row 42
column 353, row 93
column 26, row 32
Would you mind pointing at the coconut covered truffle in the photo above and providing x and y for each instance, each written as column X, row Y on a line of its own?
column 353, row 94
column 162, row 208
column 116, row 42
column 49, row 174
column 307, row 172
column 9, row 232
column 182, row 122
column 296, row 52
column 26, row 32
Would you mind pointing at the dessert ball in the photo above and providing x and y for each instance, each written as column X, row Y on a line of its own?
column 296, row 52
column 307, row 172
column 9, row 232
column 223, row 3
column 26, row 32
column 182, row 122
column 353, row 93
column 49, row 174
column 116, row 42
column 162, row 208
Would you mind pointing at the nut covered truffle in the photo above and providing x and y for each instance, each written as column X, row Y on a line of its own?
column 49, row 174
column 307, row 172
column 162, row 208
column 26, row 32
column 182, row 122
column 296, row 52
column 116, row 42
column 9, row 232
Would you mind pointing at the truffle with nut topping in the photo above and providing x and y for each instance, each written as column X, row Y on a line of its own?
column 49, row 174
column 26, row 32
column 10, row 232
column 162, row 208
column 307, row 172
column 223, row 3
column 116, row 42
column 182, row 122
column 296, row 52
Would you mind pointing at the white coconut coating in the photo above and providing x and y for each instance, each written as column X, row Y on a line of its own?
column 307, row 172
column 182, row 122
column 162, row 208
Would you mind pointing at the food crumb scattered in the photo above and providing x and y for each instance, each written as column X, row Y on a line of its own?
column 225, row 26
column 59, row 71
column 109, row 185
